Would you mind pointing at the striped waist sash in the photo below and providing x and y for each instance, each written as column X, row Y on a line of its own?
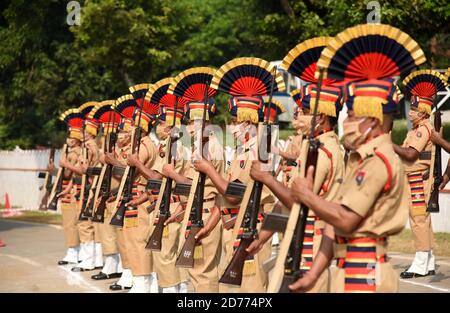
column 360, row 263
column 417, row 188
column 308, row 242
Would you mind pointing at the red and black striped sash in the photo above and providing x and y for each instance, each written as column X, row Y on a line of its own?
column 417, row 188
column 308, row 242
column 360, row 263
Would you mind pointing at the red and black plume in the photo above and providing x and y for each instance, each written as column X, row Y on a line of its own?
column 425, row 83
column 158, row 95
column 86, row 108
column 72, row 117
column 104, row 112
column 139, row 92
column 190, row 84
column 247, row 77
column 125, row 106
column 370, row 51
column 301, row 61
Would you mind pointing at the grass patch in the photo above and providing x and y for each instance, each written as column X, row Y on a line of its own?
column 38, row 217
column 285, row 133
column 403, row 242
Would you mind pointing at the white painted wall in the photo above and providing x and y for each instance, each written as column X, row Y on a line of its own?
column 23, row 186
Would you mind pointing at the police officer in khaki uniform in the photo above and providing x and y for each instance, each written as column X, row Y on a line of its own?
column 68, row 204
column 416, row 153
column 329, row 173
column 204, row 276
column 245, row 114
column 112, row 267
column 90, row 242
column 371, row 204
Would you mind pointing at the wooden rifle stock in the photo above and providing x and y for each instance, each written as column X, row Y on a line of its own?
column 155, row 241
column 233, row 273
column 57, row 188
column 186, row 257
column 433, row 202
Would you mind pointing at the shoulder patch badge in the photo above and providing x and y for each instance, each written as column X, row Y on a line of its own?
column 419, row 134
column 359, row 177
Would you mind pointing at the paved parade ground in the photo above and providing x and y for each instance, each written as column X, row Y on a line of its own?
column 28, row 264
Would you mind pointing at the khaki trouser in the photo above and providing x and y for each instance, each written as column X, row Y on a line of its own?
column 164, row 261
column 136, row 240
column 256, row 282
column 204, row 276
column 121, row 244
column 386, row 278
column 422, row 232
column 69, row 221
column 107, row 234
column 86, row 231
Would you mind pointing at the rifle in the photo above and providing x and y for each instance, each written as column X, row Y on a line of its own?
column 287, row 266
column 85, row 184
column 195, row 211
column 57, row 186
column 433, row 202
column 47, row 183
column 234, row 271
column 119, row 216
column 154, row 242
column 104, row 186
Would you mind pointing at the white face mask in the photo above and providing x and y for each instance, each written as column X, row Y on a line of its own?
column 304, row 124
column 415, row 117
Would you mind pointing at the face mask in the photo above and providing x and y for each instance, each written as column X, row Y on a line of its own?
column 122, row 139
column 414, row 117
column 304, row 124
column 162, row 135
column 352, row 136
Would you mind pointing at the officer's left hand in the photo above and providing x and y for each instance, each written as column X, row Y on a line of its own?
column 257, row 173
column 436, row 137
column 304, row 284
column 133, row 159
column 202, row 233
column 132, row 204
column 63, row 162
column 302, row 187
column 168, row 170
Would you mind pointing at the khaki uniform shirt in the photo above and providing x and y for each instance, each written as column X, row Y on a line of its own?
column 216, row 156
column 379, row 196
column 240, row 170
column 419, row 139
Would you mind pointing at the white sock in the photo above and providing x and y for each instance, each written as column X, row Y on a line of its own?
column 141, row 284
column 72, row 255
column 173, row 289
column 98, row 254
column 153, row 283
column 431, row 261
column 111, row 264
column 420, row 263
column 182, row 287
column 89, row 261
column 126, row 280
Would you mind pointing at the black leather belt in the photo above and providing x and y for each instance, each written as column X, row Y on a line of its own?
column 425, row 155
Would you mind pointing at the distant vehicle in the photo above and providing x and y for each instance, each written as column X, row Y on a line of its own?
column 284, row 97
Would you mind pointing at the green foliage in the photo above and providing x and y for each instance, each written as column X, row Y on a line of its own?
column 47, row 66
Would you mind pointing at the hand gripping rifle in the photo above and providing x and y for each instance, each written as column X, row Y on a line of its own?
column 234, row 271
column 58, row 185
column 47, row 183
column 186, row 257
column 287, row 267
column 104, row 185
column 433, row 202
column 119, row 216
column 154, row 243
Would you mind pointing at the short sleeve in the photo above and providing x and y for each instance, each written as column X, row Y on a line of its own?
column 420, row 139
column 361, row 190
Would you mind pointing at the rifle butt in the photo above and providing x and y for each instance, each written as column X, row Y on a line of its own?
column 53, row 205
column 99, row 215
column 43, row 205
column 234, row 271
column 287, row 280
column 155, row 241
column 118, row 218
column 186, row 257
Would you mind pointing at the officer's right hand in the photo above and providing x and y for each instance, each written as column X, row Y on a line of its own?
column 257, row 244
column 109, row 158
column 257, row 173
column 51, row 166
column 304, row 284
column 436, row 137
column 445, row 180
